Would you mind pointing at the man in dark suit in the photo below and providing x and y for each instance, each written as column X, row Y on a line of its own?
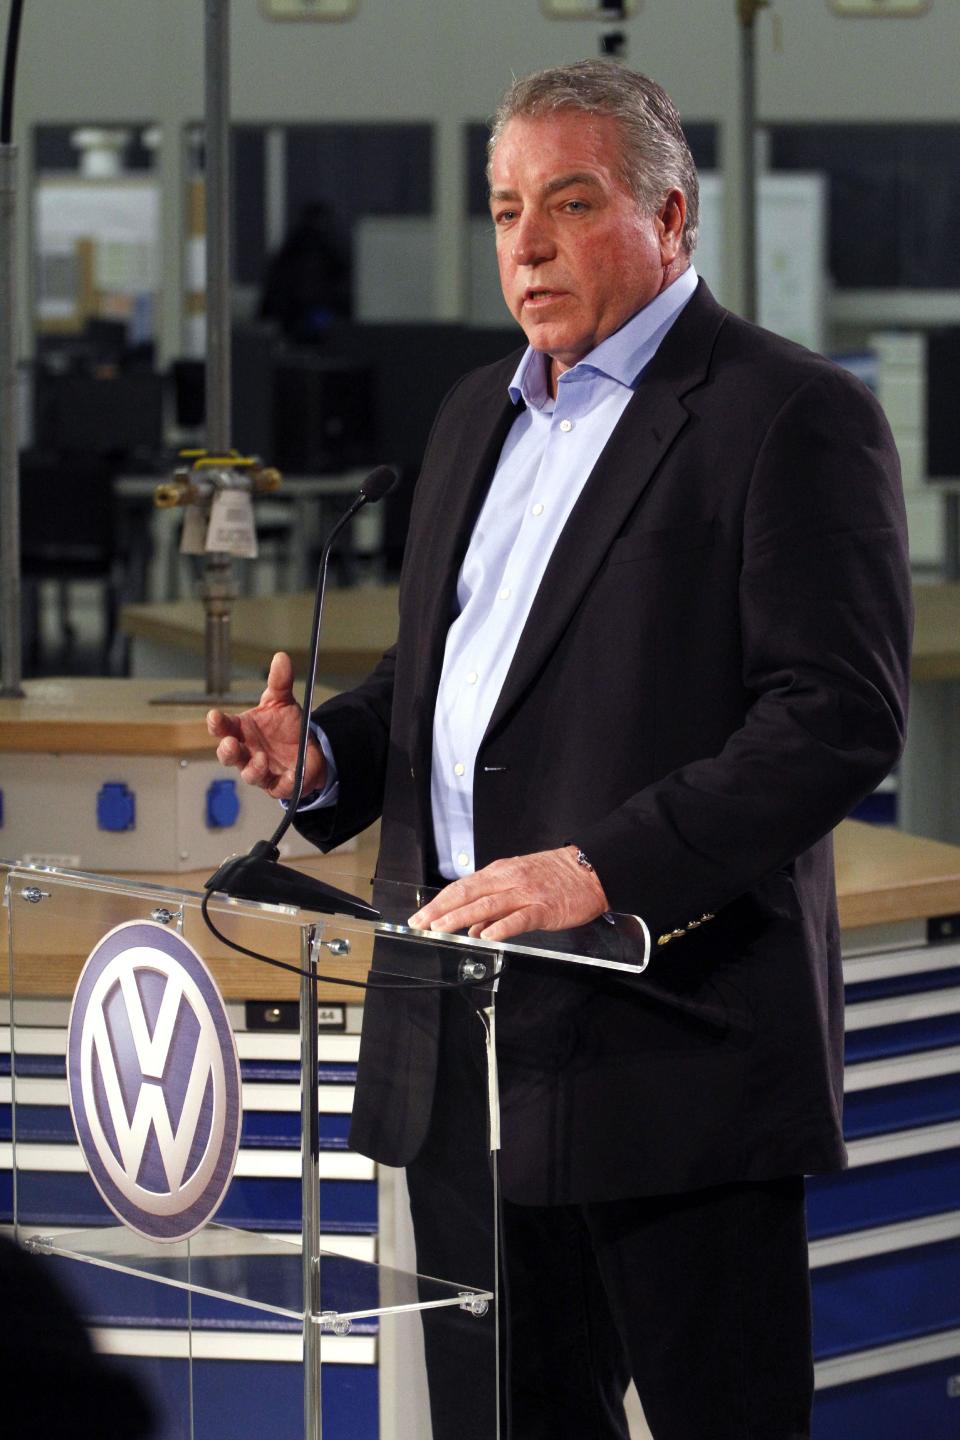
column 653, row 643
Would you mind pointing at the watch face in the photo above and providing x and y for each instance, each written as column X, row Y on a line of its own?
column 309, row 9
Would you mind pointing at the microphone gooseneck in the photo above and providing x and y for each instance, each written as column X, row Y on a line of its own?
column 257, row 875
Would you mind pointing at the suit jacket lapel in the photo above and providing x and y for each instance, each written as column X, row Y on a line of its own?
column 644, row 434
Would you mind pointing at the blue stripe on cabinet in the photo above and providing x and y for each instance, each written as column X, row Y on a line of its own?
column 329, row 1072
column 281, row 1130
column 71, row 1199
column 902, row 1039
column 232, row 1399
column 884, row 1193
column 46, row 1066
column 266, row 1400
column 899, row 1107
column 911, row 984
column 260, row 1129
column 346, row 1206
column 912, row 1404
column 886, row 1298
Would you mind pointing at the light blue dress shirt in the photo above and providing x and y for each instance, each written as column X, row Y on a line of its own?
column 545, row 462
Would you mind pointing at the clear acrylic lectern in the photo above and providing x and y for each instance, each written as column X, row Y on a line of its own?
column 229, row 1298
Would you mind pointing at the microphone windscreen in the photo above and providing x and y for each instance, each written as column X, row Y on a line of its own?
column 379, row 482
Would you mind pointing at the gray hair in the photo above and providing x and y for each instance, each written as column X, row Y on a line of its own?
column 656, row 157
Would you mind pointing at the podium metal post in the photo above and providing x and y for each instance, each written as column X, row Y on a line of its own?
column 310, row 1184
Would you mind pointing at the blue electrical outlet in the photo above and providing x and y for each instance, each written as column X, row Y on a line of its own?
column 116, row 806
column 223, row 804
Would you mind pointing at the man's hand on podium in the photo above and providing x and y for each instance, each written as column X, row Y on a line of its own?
column 549, row 890
column 262, row 743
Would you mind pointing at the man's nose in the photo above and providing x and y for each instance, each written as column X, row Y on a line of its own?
column 532, row 242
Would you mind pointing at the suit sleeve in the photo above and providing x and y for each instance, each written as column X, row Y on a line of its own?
column 825, row 625
column 357, row 725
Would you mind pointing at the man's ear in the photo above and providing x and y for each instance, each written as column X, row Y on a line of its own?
column 670, row 220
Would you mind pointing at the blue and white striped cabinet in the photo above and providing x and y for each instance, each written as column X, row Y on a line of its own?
column 885, row 1236
column 247, row 1376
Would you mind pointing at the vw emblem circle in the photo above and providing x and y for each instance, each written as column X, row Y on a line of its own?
column 154, row 1081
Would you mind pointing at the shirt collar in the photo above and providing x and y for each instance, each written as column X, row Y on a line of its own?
column 623, row 356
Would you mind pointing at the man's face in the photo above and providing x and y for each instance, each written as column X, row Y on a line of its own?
column 577, row 258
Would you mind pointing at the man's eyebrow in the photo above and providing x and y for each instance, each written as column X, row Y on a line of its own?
column 559, row 182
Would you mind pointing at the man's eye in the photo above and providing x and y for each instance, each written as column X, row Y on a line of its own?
column 576, row 206
column 504, row 216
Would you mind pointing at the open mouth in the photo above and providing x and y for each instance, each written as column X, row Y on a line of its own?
column 540, row 297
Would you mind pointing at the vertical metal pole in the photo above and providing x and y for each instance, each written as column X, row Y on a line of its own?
column 218, row 590
column 747, row 10
column 217, row 187
column 310, row 1183
column 10, row 636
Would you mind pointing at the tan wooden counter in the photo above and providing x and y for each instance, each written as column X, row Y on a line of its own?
column 884, row 876
column 359, row 623
column 80, row 715
column 85, row 716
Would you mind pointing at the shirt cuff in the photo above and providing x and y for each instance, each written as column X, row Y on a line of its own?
column 327, row 797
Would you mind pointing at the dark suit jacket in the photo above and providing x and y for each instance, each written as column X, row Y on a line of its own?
column 713, row 673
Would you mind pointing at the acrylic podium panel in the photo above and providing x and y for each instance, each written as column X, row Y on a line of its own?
column 250, row 1332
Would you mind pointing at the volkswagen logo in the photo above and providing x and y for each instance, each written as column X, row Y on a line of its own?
column 154, row 1081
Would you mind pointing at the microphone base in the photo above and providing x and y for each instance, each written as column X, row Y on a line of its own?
column 258, row 876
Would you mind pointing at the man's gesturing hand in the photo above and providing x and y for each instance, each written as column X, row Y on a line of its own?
column 545, row 891
column 262, row 742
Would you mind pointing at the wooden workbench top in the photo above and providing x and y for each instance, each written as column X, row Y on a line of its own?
column 359, row 624
column 86, row 716
column 936, row 639
column 884, row 875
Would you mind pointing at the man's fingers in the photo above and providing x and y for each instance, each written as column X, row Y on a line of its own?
column 448, row 902
column 220, row 724
column 231, row 752
column 278, row 787
column 478, row 913
column 518, row 922
column 493, row 880
column 279, row 681
column 257, row 771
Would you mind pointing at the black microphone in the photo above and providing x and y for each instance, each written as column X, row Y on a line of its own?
column 258, row 875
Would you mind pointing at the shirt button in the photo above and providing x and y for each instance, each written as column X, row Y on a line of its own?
column 463, row 858
column 459, row 768
column 537, row 510
column 504, row 593
column 472, row 678
column 566, row 426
